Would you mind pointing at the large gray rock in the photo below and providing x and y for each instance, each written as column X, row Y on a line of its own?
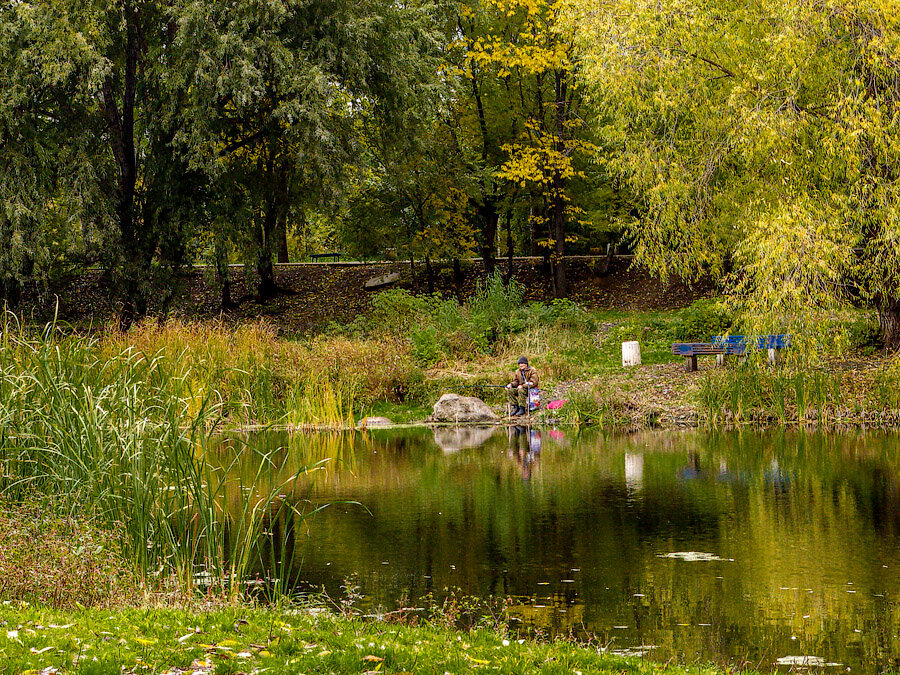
column 467, row 409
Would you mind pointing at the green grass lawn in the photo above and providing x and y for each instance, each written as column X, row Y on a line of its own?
column 243, row 640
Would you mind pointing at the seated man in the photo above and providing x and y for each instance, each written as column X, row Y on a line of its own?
column 525, row 378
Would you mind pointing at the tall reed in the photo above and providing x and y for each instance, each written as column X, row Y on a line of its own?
column 124, row 436
column 755, row 392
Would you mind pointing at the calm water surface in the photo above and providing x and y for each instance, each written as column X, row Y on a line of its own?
column 734, row 547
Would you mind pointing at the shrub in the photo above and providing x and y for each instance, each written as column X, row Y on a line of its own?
column 495, row 300
column 864, row 336
column 560, row 312
column 703, row 319
column 398, row 312
column 426, row 347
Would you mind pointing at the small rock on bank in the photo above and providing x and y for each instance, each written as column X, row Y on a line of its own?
column 462, row 409
column 367, row 422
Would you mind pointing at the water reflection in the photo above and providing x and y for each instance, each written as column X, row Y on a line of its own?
column 524, row 447
column 729, row 547
column 454, row 439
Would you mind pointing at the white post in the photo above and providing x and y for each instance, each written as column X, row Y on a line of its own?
column 631, row 353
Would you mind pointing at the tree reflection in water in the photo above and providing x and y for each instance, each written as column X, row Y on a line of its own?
column 799, row 531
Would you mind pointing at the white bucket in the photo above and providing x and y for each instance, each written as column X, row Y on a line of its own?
column 631, row 353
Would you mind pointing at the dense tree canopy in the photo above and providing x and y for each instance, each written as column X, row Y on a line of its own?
column 761, row 135
column 757, row 142
column 88, row 138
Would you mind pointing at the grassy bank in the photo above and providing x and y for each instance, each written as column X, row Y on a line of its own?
column 240, row 640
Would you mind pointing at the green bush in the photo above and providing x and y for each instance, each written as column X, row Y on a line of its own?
column 398, row 312
column 427, row 349
column 864, row 336
column 495, row 301
column 703, row 319
column 560, row 312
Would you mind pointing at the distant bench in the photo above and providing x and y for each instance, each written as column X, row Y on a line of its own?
column 318, row 256
column 731, row 345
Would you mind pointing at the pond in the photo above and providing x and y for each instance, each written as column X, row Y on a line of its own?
column 756, row 548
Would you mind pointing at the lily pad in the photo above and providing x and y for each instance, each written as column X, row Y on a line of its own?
column 811, row 661
column 694, row 556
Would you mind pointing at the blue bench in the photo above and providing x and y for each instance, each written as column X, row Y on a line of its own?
column 730, row 345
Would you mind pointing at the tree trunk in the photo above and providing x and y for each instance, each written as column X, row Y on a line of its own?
column 266, row 235
column 120, row 125
column 223, row 274
column 557, row 259
column 489, row 219
column 487, row 212
column 11, row 292
column 12, row 286
column 458, row 279
column 889, row 322
column 281, row 242
column 510, row 245
column 265, row 267
column 532, row 234
column 429, row 274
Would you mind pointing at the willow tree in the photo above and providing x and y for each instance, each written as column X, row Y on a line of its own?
column 276, row 91
column 83, row 114
column 763, row 136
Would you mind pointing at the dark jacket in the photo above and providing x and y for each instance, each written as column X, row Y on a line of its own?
column 528, row 375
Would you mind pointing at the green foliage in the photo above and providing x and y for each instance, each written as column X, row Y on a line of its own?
column 397, row 311
column 864, row 336
column 86, row 126
column 702, row 320
column 764, row 140
column 494, row 306
column 442, row 328
column 426, row 346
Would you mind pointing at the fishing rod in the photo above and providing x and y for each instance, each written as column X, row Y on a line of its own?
column 479, row 386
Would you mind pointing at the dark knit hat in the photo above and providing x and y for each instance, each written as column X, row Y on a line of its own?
column 522, row 359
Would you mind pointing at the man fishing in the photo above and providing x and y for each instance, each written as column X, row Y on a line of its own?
column 525, row 378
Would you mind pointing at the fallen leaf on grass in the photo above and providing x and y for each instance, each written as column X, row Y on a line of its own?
column 478, row 661
column 371, row 657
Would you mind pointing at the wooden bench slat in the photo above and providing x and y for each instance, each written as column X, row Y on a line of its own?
column 731, row 345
